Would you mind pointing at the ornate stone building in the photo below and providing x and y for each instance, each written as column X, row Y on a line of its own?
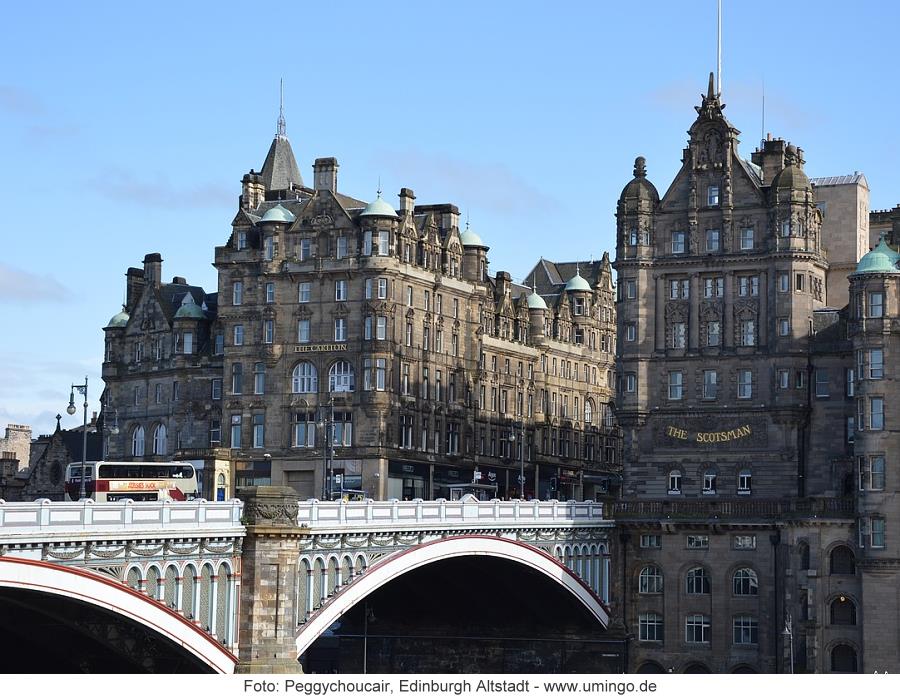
column 754, row 419
column 360, row 347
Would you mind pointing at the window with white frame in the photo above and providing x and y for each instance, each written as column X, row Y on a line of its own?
column 710, row 384
column 304, row 249
column 304, row 290
column 367, row 243
column 268, row 248
column 137, row 442
column 650, row 627
column 160, row 440
column 713, row 333
column 747, row 239
column 876, row 305
column 340, row 247
column 340, row 290
column 270, row 292
column 876, row 363
column 784, row 282
column 712, row 240
column 679, row 335
column 241, row 240
column 259, row 378
column 237, row 293
column 237, row 378
column 876, row 413
column 748, row 286
column 744, row 582
column 822, row 384
column 679, row 242
column 342, row 429
column 304, row 429
column 697, row 581
column 303, row 330
column 748, row 332
column 630, row 332
column 630, row 382
column 676, row 386
column 876, row 526
column 712, row 196
column 697, row 541
column 304, row 379
column 713, row 287
column 744, row 542
column 783, row 378
column 696, row 629
column 709, row 483
column 744, row 482
column 745, row 384
column 235, row 431
column 340, row 377
column 650, row 580
column 674, row 483
column 384, row 239
column 630, row 289
column 268, row 331
column 745, row 630
column 216, row 389
column 239, row 334
column 784, row 327
column 679, row 289
column 340, row 329
column 651, row 541
column 871, row 472
column 259, row 429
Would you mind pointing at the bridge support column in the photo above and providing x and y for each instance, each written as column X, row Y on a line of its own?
column 268, row 581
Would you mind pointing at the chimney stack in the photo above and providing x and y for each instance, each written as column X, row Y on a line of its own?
column 325, row 174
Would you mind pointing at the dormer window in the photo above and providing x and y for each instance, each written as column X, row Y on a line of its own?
column 712, row 196
column 579, row 306
column 241, row 240
column 384, row 238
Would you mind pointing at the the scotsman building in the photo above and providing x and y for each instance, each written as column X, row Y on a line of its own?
column 756, row 514
column 367, row 347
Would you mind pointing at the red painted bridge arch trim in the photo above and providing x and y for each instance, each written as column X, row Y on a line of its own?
column 194, row 637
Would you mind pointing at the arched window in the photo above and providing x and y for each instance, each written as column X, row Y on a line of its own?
column 745, row 582
column 843, row 611
column 843, row 659
column 340, row 377
column 588, row 412
column 697, row 580
column 137, row 442
column 160, row 442
column 304, row 379
column 674, row 481
column 650, row 580
column 843, row 561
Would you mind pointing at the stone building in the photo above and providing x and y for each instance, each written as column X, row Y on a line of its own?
column 755, row 494
column 357, row 347
column 16, row 444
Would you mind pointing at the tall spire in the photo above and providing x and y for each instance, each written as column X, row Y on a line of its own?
column 281, row 131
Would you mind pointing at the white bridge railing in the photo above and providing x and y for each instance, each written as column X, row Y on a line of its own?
column 64, row 520
column 389, row 515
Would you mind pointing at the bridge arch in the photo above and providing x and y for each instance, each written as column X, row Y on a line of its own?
column 103, row 592
column 386, row 570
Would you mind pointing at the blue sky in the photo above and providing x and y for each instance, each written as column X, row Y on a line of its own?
column 125, row 129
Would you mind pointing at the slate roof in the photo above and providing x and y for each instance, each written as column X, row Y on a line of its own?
column 171, row 295
column 838, row 180
column 280, row 171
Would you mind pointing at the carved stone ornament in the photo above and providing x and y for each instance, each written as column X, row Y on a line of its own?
column 261, row 513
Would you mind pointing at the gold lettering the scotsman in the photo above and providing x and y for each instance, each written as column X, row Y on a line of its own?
column 717, row 436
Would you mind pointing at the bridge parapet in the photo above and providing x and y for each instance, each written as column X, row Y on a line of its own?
column 48, row 521
column 395, row 515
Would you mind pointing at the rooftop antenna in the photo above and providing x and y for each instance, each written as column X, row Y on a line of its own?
column 379, row 185
column 467, row 219
column 281, row 132
column 719, row 49
column 762, row 133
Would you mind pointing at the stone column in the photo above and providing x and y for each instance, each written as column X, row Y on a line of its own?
column 269, row 567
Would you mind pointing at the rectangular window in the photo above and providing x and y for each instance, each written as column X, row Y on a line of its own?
column 237, row 378
column 456, row 308
column 784, row 282
column 877, row 530
column 679, row 335
column 241, row 240
column 303, row 292
column 268, row 331
column 712, row 241
column 630, row 289
column 876, row 473
column 340, row 329
column 367, row 243
column 748, row 333
column 340, row 248
column 427, row 300
column 745, row 630
column 712, row 196
column 710, row 384
column 270, row 292
column 216, row 390
column 237, row 293
column 259, row 378
column 697, row 542
column 696, row 629
column 380, row 327
column 876, row 363
column 304, row 250
column 851, row 382
column 268, row 248
column 406, row 432
column 876, row 413
column 676, row 386
column 215, row 431
column 630, row 382
column 651, row 541
column 158, row 393
column 679, row 289
column 679, row 239
column 342, row 429
column 783, row 377
column 382, row 287
column 746, row 239
column 713, row 287
column 876, row 305
column 340, row 290
column 368, row 289
column 713, row 333
column 650, row 627
column 822, row 390
column 748, row 286
column 219, row 344
column 188, row 343
column 745, row 384
column 630, row 332
column 259, row 430
column 384, row 238
column 303, row 330
column 304, row 430
column 784, row 326
column 744, row 542
column 239, row 334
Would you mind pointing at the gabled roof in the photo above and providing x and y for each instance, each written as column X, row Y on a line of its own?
column 280, row 171
column 171, row 296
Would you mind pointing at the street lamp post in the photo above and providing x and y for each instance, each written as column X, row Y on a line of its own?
column 82, row 389
column 512, row 437
column 327, row 422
